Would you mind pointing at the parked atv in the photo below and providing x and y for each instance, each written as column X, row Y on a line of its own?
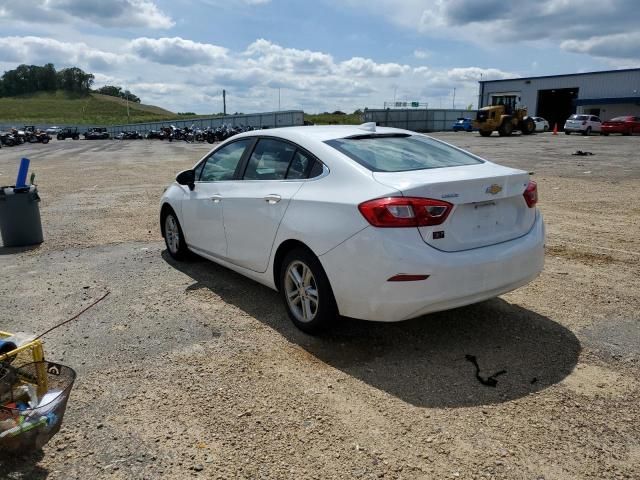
column 68, row 132
column 96, row 133
column 8, row 139
column 35, row 135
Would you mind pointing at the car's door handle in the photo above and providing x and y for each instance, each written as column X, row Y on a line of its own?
column 216, row 198
column 272, row 199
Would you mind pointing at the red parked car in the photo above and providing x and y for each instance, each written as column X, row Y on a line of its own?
column 626, row 125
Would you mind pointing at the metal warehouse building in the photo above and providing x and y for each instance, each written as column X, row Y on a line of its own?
column 606, row 94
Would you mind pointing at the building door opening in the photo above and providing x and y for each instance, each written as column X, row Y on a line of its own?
column 557, row 105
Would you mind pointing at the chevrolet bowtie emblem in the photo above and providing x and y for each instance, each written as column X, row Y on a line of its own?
column 494, row 189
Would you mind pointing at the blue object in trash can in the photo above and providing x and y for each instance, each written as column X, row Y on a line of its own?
column 6, row 347
column 21, row 181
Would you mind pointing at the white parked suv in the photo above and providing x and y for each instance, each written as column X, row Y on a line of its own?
column 584, row 124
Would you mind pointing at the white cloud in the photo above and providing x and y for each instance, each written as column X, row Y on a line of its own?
column 267, row 54
column 421, row 54
column 621, row 45
column 105, row 13
column 39, row 50
column 359, row 66
column 176, row 51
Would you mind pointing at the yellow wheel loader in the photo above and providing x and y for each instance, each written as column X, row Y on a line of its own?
column 503, row 118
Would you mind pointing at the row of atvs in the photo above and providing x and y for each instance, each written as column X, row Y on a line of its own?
column 29, row 134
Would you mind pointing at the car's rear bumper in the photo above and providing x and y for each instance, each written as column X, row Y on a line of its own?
column 359, row 268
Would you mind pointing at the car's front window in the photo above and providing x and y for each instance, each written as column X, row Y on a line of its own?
column 222, row 164
column 401, row 152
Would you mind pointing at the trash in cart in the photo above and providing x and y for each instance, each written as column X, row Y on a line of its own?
column 33, row 399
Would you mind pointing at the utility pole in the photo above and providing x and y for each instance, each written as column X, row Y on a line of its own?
column 224, row 102
column 453, row 106
column 127, row 97
column 278, row 98
column 395, row 89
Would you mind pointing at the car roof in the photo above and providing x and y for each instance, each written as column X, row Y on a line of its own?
column 321, row 133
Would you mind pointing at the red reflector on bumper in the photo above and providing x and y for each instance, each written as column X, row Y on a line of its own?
column 407, row 278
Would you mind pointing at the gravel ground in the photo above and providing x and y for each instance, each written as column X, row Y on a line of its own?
column 190, row 370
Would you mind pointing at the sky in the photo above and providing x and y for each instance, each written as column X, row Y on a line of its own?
column 320, row 55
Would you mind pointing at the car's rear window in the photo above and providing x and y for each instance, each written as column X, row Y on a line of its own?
column 400, row 153
column 579, row 117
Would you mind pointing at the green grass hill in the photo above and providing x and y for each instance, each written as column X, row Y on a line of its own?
column 68, row 108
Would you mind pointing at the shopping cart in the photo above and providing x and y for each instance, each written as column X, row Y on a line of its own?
column 28, row 418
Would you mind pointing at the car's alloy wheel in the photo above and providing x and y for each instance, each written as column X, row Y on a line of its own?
column 302, row 292
column 306, row 291
column 174, row 238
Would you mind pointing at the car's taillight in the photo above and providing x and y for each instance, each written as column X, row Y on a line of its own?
column 392, row 212
column 531, row 194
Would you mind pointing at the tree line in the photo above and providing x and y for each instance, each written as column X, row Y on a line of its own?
column 114, row 91
column 33, row 78
column 27, row 79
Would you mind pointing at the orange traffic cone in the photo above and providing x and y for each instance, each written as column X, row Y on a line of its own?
column 555, row 128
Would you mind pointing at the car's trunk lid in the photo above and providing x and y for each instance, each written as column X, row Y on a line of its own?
column 489, row 207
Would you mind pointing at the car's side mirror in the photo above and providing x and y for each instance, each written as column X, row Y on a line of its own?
column 187, row 177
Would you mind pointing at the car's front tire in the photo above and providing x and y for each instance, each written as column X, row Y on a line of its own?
column 306, row 292
column 173, row 236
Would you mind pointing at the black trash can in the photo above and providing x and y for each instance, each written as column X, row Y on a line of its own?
column 20, row 223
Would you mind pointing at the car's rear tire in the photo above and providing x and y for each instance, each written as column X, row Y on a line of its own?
column 566, row 132
column 627, row 133
column 173, row 236
column 306, row 292
column 486, row 133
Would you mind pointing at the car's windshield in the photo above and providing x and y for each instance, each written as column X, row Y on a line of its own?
column 619, row 119
column 399, row 153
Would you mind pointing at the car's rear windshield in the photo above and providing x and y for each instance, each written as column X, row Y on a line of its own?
column 400, row 153
column 619, row 119
column 579, row 117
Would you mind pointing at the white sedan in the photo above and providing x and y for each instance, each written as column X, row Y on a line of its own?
column 541, row 124
column 360, row 221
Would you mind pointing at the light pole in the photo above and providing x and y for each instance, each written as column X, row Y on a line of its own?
column 126, row 96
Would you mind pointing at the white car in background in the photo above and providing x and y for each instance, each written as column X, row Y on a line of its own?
column 53, row 130
column 541, row 124
column 582, row 123
column 371, row 223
